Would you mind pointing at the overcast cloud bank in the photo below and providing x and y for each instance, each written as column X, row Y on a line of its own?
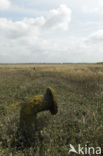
column 61, row 35
column 4, row 4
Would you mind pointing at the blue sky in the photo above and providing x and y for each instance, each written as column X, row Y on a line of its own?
column 51, row 31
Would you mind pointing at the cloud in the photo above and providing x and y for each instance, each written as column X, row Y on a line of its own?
column 26, row 40
column 88, row 10
column 4, row 4
column 59, row 18
column 96, row 37
column 13, row 30
column 52, row 37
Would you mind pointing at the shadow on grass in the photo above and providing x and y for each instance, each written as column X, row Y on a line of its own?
column 29, row 137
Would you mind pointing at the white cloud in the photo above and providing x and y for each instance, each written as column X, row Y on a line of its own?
column 96, row 37
column 4, row 4
column 90, row 10
column 52, row 37
column 59, row 18
column 25, row 40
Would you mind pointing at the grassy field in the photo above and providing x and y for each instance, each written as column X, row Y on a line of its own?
column 79, row 120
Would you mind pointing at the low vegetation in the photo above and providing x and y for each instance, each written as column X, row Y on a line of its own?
column 79, row 120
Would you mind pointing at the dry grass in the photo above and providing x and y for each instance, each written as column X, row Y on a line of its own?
column 79, row 91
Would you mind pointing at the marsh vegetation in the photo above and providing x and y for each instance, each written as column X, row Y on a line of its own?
column 79, row 120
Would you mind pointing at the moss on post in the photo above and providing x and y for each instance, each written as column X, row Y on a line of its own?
column 35, row 105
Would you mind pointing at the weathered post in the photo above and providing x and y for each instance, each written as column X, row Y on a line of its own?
column 40, row 103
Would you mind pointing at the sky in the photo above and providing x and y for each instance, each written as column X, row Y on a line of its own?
column 57, row 31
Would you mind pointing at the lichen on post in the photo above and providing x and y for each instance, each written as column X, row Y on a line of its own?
column 35, row 105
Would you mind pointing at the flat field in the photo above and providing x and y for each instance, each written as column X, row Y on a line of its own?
column 79, row 90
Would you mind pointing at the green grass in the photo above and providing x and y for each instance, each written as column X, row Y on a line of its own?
column 79, row 119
